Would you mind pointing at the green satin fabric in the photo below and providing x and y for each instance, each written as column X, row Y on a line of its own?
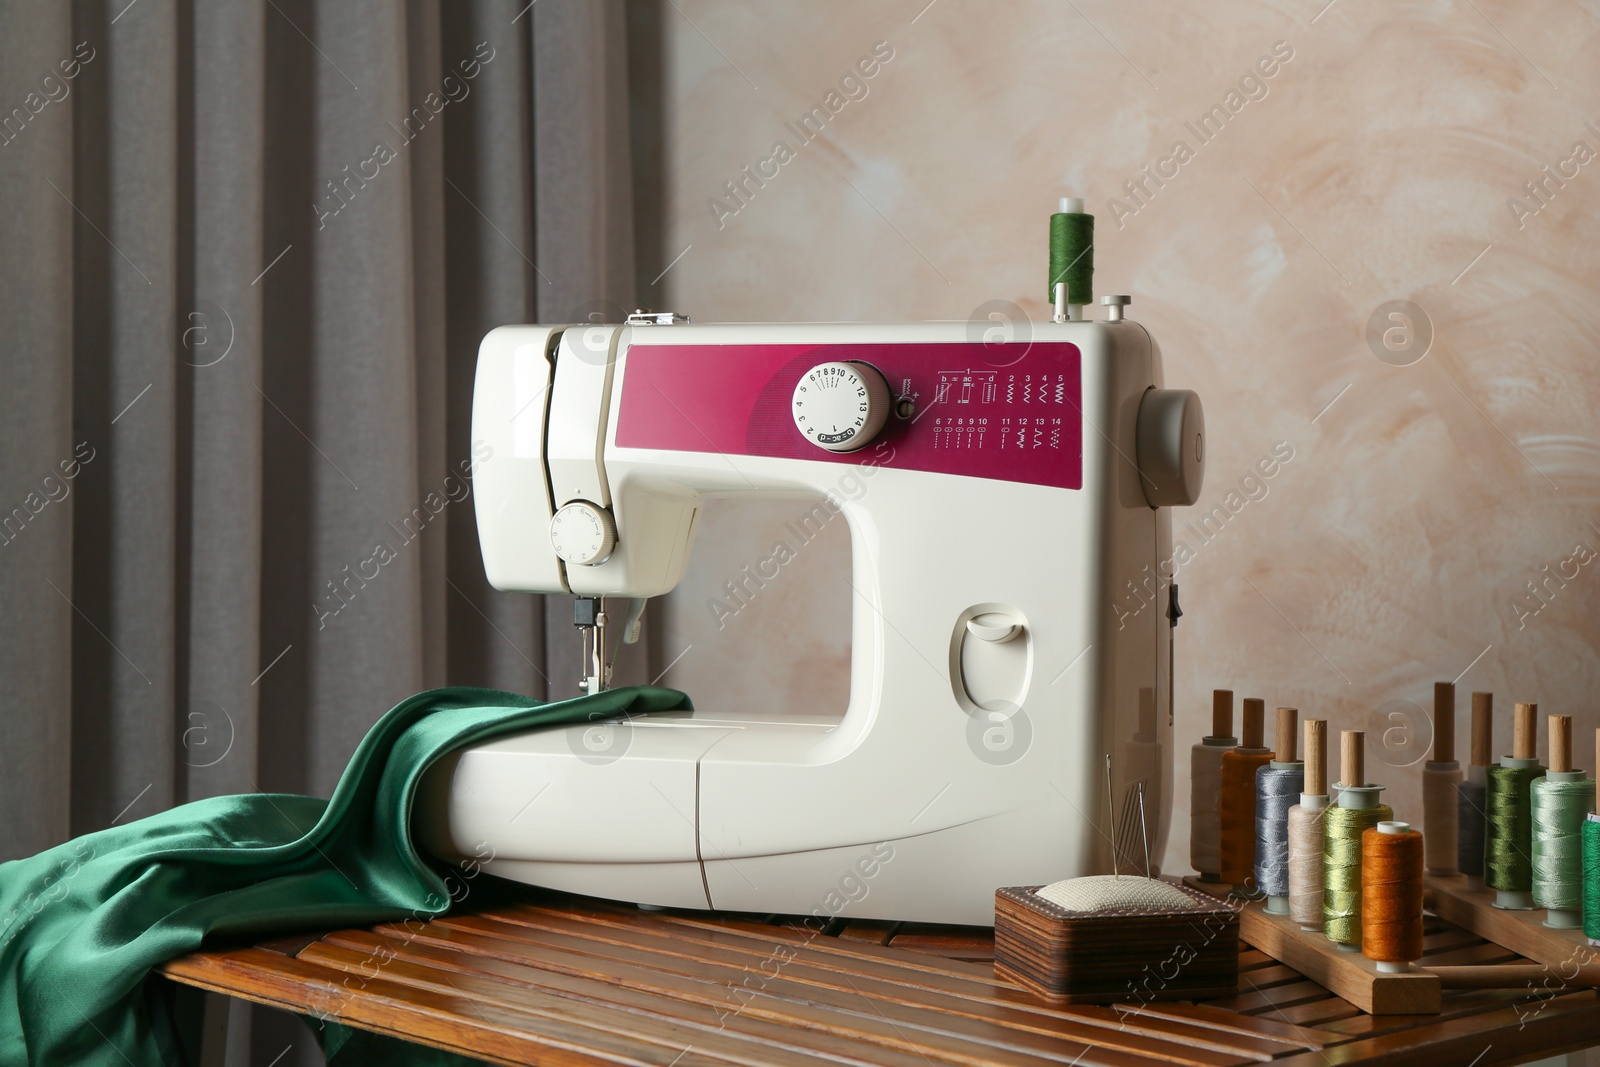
column 81, row 925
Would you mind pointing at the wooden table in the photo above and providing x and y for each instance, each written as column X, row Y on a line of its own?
column 569, row 980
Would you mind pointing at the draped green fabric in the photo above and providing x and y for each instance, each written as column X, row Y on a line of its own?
column 82, row 924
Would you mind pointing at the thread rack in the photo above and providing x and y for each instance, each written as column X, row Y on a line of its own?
column 1346, row 974
column 1467, row 903
column 1505, row 915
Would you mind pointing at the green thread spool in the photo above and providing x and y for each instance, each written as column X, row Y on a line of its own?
column 1560, row 800
column 1341, row 865
column 1072, row 253
column 1508, row 832
column 1590, row 832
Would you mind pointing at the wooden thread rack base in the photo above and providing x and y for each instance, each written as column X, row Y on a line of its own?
column 1469, row 904
column 1347, row 974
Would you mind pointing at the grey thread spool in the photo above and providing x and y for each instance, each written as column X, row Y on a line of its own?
column 1277, row 790
column 1471, row 796
column 1278, row 786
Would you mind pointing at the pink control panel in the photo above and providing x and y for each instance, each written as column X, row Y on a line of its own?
column 1011, row 413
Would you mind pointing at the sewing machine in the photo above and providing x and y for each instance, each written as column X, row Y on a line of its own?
column 1010, row 695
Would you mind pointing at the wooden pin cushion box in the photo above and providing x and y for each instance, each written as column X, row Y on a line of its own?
column 1128, row 953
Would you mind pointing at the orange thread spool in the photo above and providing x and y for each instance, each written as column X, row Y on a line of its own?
column 1237, row 805
column 1391, row 895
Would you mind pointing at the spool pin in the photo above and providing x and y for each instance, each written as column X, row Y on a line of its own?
column 1482, row 729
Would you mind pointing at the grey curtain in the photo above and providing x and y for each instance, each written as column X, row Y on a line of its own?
column 250, row 247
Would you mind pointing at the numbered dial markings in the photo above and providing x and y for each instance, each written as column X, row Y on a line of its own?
column 840, row 406
column 583, row 533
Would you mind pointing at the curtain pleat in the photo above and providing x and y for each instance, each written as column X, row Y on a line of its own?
column 248, row 257
column 362, row 479
column 125, row 294
column 219, row 352
column 428, row 310
column 39, row 474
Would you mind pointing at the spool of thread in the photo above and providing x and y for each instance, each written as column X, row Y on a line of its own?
column 1591, row 877
column 1560, row 800
column 1356, row 811
column 1440, row 776
column 1590, row 834
column 1237, row 807
column 1307, row 839
column 1277, row 790
column 1508, row 828
column 1072, row 255
column 1205, row 788
column 1472, row 794
column 1278, row 786
column 1306, row 834
column 1391, row 895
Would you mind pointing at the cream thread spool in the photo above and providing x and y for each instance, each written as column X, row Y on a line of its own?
column 1306, row 834
column 1440, row 777
column 1205, row 788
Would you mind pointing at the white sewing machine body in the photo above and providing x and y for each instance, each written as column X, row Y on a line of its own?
column 996, row 520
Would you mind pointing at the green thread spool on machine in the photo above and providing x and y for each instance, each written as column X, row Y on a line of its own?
column 1071, row 259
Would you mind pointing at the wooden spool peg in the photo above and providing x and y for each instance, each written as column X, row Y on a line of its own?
column 1353, row 789
column 1317, row 757
column 1444, row 722
column 1284, row 754
column 1524, row 735
column 1222, row 714
column 1352, row 758
column 1482, row 729
column 1560, row 728
column 1480, row 747
column 1253, row 733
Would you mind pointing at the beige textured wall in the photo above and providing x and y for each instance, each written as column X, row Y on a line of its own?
column 1379, row 163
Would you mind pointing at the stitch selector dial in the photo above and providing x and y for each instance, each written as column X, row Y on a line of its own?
column 840, row 406
column 583, row 533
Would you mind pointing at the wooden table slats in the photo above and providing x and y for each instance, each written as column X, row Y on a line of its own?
column 572, row 981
